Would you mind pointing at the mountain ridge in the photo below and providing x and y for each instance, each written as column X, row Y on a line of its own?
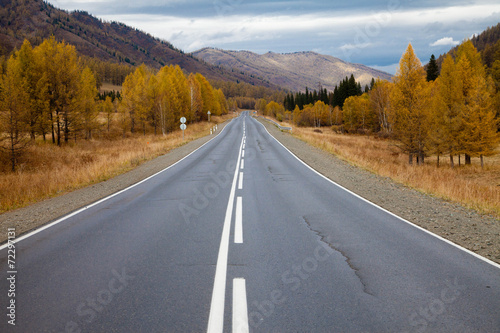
column 294, row 71
column 36, row 20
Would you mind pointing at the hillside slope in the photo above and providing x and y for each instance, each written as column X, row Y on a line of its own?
column 294, row 71
column 36, row 20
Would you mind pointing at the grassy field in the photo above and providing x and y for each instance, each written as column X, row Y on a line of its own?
column 470, row 185
column 47, row 170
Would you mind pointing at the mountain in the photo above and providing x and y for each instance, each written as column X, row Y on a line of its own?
column 294, row 71
column 36, row 20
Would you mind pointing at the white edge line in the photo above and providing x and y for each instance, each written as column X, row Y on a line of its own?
column 385, row 210
column 51, row 224
column 240, row 310
column 238, row 223
column 216, row 316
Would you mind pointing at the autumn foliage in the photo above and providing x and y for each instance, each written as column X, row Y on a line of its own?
column 47, row 93
column 454, row 115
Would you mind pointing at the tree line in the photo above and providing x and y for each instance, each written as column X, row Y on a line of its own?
column 160, row 99
column 346, row 88
column 47, row 92
column 453, row 112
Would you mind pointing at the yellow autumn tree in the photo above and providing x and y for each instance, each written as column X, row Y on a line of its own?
column 181, row 87
column 169, row 99
column 260, row 106
column 108, row 108
column 88, row 106
column 273, row 109
column 477, row 136
column 357, row 114
column 30, row 75
column 59, row 62
column 209, row 103
column 410, row 106
column 135, row 97
column 14, row 107
column 221, row 100
column 380, row 105
column 447, row 117
column 196, row 100
column 322, row 114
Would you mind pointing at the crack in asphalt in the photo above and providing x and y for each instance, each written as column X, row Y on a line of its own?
column 326, row 240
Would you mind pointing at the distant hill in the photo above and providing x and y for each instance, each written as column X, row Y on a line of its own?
column 36, row 20
column 294, row 71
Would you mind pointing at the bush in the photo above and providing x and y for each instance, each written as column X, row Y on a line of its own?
column 339, row 129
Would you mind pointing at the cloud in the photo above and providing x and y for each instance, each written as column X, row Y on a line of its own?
column 445, row 41
column 361, row 31
column 347, row 47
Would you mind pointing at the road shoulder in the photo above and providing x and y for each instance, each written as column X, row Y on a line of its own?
column 462, row 226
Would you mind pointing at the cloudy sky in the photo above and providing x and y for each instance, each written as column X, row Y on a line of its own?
column 370, row 32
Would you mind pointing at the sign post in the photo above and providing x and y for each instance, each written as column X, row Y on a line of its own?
column 183, row 126
column 209, row 113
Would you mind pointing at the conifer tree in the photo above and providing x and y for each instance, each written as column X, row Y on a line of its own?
column 432, row 69
column 472, row 75
column 447, row 118
column 409, row 99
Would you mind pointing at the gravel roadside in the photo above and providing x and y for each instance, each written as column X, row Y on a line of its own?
column 465, row 227
column 44, row 212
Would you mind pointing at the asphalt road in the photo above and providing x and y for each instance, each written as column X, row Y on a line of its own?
column 242, row 236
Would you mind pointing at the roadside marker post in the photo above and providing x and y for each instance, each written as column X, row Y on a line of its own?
column 183, row 126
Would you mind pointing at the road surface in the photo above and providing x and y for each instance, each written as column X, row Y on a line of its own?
column 242, row 236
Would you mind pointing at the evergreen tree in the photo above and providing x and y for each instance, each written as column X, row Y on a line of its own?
column 432, row 69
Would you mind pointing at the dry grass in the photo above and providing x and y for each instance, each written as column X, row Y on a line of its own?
column 48, row 170
column 107, row 87
column 468, row 185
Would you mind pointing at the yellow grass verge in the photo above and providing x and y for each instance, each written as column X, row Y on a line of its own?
column 470, row 186
column 49, row 170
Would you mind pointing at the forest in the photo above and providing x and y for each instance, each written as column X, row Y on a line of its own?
column 450, row 112
column 50, row 94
